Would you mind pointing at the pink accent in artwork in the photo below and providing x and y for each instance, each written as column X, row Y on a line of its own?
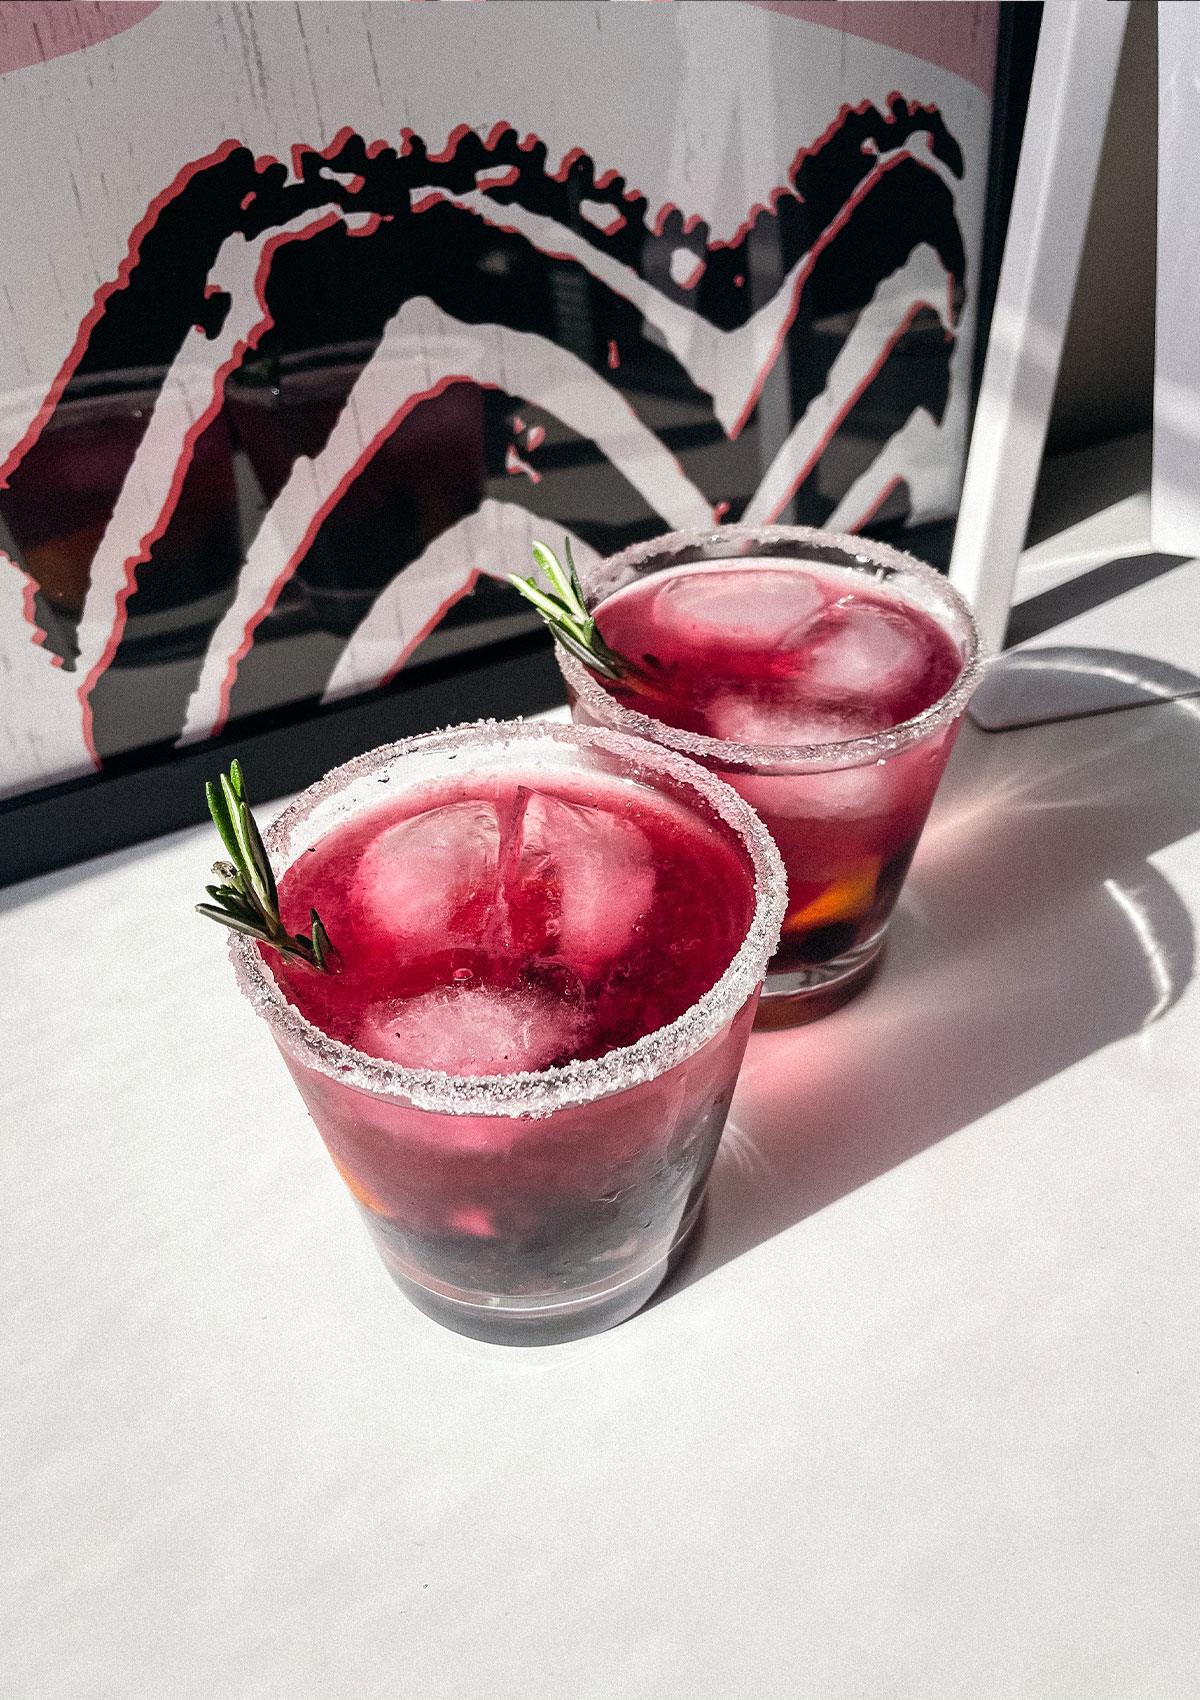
column 29, row 608
column 198, row 426
column 877, row 503
column 304, row 543
column 568, row 160
column 451, row 148
column 839, row 419
column 803, row 272
column 431, row 624
column 514, row 463
column 91, row 319
column 497, row 177
column 958, row 35
column 33, row 31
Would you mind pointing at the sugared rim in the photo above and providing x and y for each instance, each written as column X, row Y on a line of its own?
column 540, row 1093
column 851, row 752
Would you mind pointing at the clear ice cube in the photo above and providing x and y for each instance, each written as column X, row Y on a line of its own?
column 750, row 609
column 867, row 652
column 543, row 877
column 743, row 719
column 840, row 793
column 582, row 880
column 473, row 1029
column 432, row 879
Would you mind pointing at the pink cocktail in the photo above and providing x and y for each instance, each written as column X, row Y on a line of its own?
column 825, row 678
column 551, row 943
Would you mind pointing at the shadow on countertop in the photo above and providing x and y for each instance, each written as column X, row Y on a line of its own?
column 1032, row 932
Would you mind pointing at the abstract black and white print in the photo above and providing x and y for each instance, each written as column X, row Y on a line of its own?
column 341, row 365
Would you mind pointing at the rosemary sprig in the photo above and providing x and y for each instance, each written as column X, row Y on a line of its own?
column 566, row 614
column 247, row 900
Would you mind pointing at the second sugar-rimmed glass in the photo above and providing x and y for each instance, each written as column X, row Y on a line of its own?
column 846, row 814
column 535, row 1206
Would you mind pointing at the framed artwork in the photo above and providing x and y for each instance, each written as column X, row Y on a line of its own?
column 1175, row 489
column 313, row 317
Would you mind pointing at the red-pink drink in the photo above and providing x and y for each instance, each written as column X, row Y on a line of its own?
column 512, row 921
column 548, row 976
column 828, row 691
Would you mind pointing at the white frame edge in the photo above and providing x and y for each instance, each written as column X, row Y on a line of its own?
column 1079, row 49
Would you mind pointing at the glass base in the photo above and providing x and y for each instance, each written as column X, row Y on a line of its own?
column 807, row 994
column 505, row 1320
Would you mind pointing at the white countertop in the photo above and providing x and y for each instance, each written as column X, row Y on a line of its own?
column 917, row 1418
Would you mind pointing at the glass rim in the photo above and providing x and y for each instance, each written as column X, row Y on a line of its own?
column 744, row 757
column 530, row 1094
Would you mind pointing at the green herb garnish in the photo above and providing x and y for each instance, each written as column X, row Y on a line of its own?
column 566, row 614
column 247, row 901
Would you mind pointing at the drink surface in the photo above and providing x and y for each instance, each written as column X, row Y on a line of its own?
column 777, row 654
column 514, row 921
column 785, row 653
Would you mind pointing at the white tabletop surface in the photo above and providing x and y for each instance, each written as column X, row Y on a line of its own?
column 918, row 1418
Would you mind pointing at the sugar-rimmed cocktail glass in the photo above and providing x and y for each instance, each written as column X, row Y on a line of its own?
column 534, row 1206
column 846, row 814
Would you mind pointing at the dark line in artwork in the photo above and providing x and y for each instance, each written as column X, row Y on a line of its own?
column 854, row 207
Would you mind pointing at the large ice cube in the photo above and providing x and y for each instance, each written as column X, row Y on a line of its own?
column 579, row 882
column 744, row 719
column 839, row 793
column 746, row 608
column 865, row 651
column 473, row 1030
column 431, row 880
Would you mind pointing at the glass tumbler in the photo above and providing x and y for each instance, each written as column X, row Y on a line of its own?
column 532, row 1207
column 846, row 815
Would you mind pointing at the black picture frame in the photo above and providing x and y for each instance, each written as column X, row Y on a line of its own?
column 160, row 788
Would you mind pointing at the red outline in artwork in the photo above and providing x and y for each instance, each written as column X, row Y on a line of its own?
column 835, row 226
column 853, row 201
column 772, row 203
column 183, row 464
column 298, row 151
column 570, row 158
column 328, row 153
column 28, row 610
column 435, row 197
column 616, row 223
column 691, row 222
column 866, row 518
column 514, row 464
column 67, row 370
column 511, row 175
column 316, row 521
column 434, row 620
column 446, row 156
column 839, row 417
column 370, row 222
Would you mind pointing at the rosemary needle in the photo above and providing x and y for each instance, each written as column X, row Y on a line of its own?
column 247, row 900
column 566, row 614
